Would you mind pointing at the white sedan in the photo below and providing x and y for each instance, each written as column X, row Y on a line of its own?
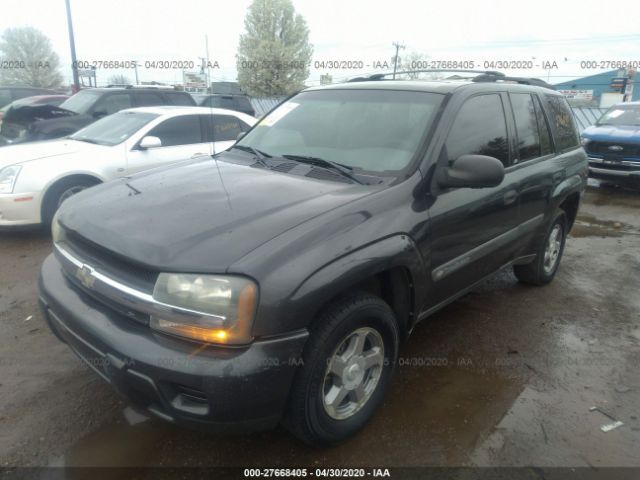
column 35, row 178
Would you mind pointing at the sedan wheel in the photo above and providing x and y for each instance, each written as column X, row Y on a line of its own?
column 69, row 193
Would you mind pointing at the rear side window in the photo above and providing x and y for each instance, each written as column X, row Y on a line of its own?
column 546, row 145
column 479, row 128
column 244, row 103
column 181, row 99
column 183, row 130
column 562, row 122
column 526, row 126
column 149, row 99
column 214, row 102
column 227, row 102
column 113, row 103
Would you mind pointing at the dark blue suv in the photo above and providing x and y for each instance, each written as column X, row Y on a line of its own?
column 613, row 145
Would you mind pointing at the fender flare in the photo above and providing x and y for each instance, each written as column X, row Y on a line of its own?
column 572, row 184
column 338, row 276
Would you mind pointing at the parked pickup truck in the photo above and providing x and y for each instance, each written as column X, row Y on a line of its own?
column 276, row 281
column 613, row 145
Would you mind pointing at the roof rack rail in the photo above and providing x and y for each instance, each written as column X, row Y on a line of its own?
column 154, row 86
column 482, row 76
column 130, row 86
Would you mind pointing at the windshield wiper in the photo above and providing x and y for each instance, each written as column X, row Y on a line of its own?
column 344, row 170
column 260, row 155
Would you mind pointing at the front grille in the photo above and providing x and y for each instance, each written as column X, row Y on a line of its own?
column 629, row 150
column 114, row 267
column 615, row 166
column 111, row 264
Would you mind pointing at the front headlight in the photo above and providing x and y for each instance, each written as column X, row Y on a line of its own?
column 8, row 177
column 584, row 141
column 221, row 308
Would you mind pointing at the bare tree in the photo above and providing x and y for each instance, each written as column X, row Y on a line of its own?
column 30, row 52
column 119, row 79
column 415, row 60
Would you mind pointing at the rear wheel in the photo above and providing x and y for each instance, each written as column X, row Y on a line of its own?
column 543, row 269
column 348, row 363
column 61, row 192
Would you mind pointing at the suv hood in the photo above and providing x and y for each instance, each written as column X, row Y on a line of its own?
column 200, row 216
column 26, row 152
column 613, row 133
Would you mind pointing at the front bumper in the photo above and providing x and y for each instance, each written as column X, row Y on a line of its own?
column 19, row 210
column 625, row 172
column 212, row 388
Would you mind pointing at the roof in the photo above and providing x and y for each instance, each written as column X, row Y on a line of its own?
column 175, row 110
column 435, row 86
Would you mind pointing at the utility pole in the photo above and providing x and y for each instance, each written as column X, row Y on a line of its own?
column 395, row 59
column 72, row 43
column 206, row 41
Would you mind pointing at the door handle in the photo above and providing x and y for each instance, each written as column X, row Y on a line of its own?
column 199, row 154
column 510, row 197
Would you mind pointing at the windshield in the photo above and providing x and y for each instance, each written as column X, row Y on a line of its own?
column 372, row 130
column 81, row 102
column 621, row 115
column 114, row 129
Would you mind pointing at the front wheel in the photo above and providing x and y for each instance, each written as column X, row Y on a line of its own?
column 348, row 362
column 543, row 269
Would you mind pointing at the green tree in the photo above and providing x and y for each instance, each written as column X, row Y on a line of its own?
column 30, row 50
column 274, row 53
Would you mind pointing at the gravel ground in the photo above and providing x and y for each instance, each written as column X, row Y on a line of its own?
column 516, row 371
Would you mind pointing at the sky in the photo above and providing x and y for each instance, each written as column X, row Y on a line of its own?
column 363, row 31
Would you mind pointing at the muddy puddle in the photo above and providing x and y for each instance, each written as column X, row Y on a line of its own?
column 456, row 406
column 590, row 226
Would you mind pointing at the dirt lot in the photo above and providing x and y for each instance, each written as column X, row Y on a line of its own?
column 519, row 368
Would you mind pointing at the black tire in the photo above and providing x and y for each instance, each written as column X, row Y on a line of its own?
column 307, row 416
column 54, row 195
column 537, row 272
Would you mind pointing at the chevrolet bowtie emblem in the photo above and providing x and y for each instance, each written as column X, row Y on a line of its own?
column 615, row 148
column 85, row 275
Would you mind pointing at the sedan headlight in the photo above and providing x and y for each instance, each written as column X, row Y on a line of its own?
column 8, row 177
column 584, row 141
column 218, row 309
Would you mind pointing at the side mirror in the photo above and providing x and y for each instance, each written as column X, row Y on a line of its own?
column 472, row 171
column 240, row 135
column 99, row 114
column 150, row 142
